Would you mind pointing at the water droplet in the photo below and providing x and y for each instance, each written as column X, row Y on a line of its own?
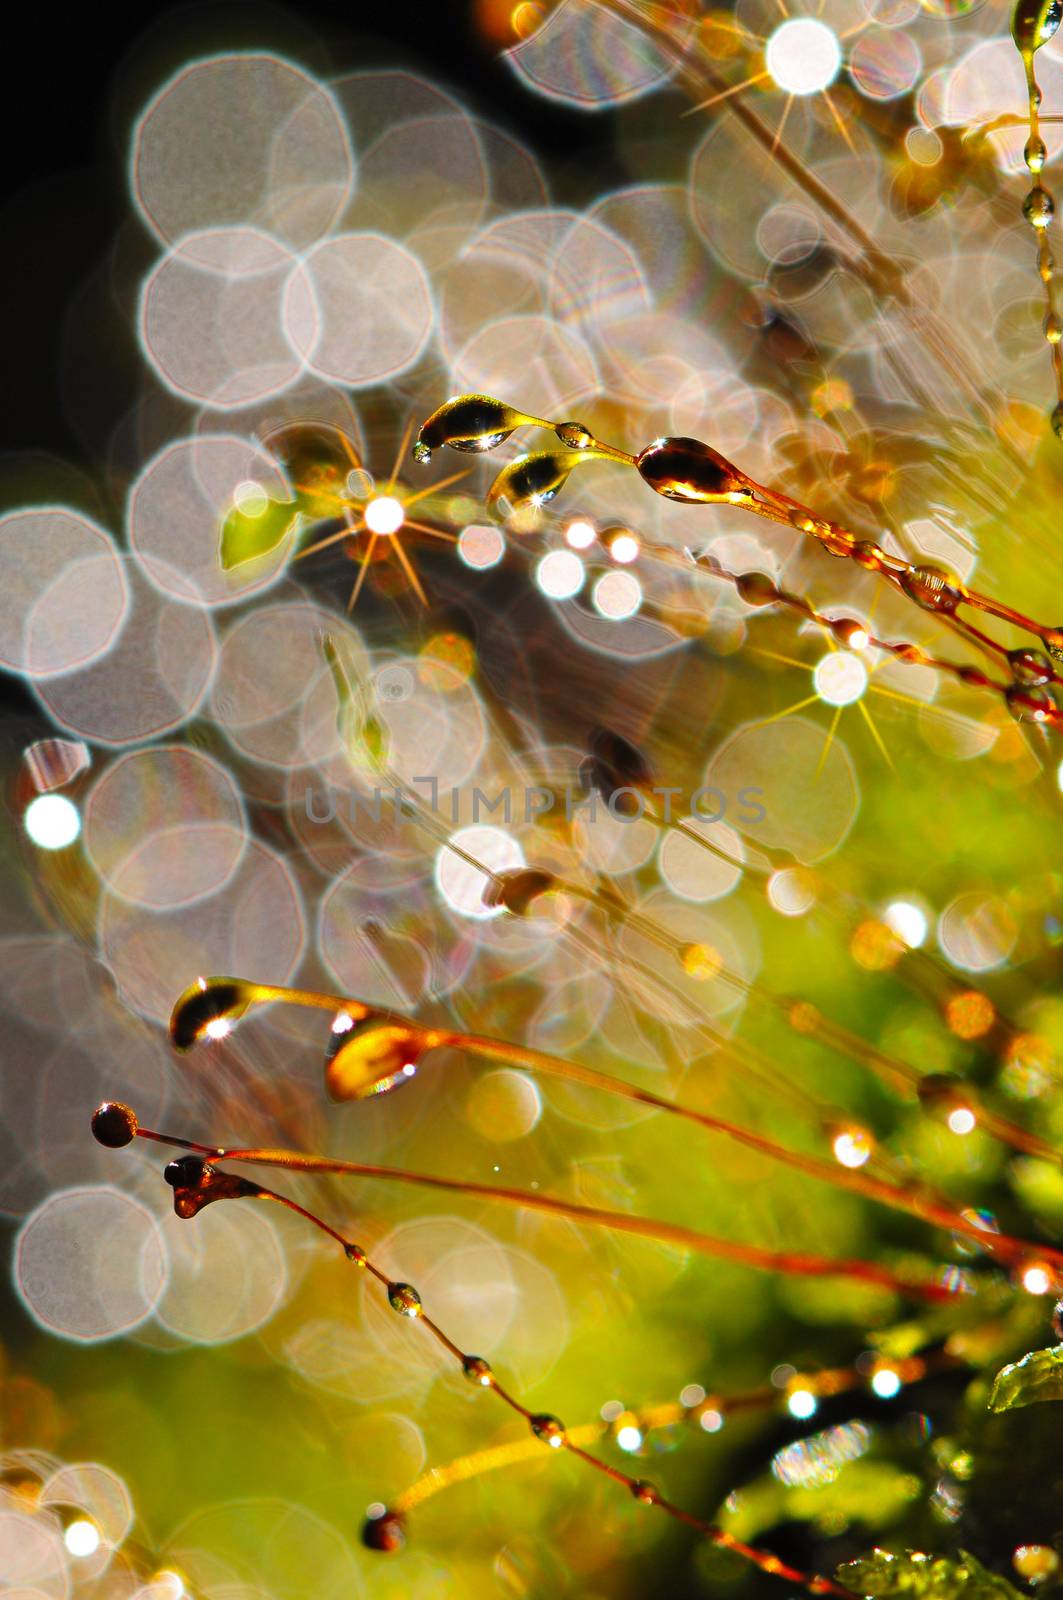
column 933, row 588
column 1033, row 22
column 574, row 434
column 531, row 481
column 355, row 1254
column 756, row 588
column 1057, row 1319
column 1053, row 328
column 206, row 1008
column 1029, row 666
column 185, row 1172
column 1029, row 704
column 372, row 1057
column 383, row 1530
column 471, row 422
column 403, row 1298
column 686, row 469
column 647, row 1494
column 478, row 1371
column 1035, row 153
column 114, row 1124
column 547, row 1428
column 1038, row 208
column 1056, row 420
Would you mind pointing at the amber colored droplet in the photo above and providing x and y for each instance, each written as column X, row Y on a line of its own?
column 756, row 588
column 371, row 1057
column 356, row 1255
column 517, row 888
column 1035, row 153
column 933, row 588
column 531, row 481
column 1035, row 1562
column 574, row 434
column 384, row 1530
column 802, row 521
column 970, row 1015
column 1038, row 208
column 646, row 1493
column 213, row 1000
column 866, row 553
column 1033, row 22
column 186, row 1171
column 478, row 1371
column 836, row 541
column 471, row 422
column 1029, row 704
column 403, row 1298
column 686, row 469
column 547, row 1428
column 1029, row 666
column 1053, row 328
column 114, row 1124
column 1056, row 421
column 846, row 629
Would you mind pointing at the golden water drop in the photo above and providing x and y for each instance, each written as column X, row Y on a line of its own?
column 647, row 1494
column 1056, row 420
column 1029, row 666
column 471, row 422
column 1035, row 153
column 933, row 588
column 1033, row 22
column 371, row 1057
column 1035, row 1562
column 207, row 1008
column 574, row 434
column 547, row 1428
column 531, row 481
column 478, row 1371
column 1038, row 208
column 403, row 1298
column 686, row 469
column 1053, row 328
column 1029, row 704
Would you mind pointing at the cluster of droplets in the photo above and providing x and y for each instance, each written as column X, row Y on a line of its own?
column 1033, row 23
column 693, row 473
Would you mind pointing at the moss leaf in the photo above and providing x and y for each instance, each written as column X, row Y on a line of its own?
column 245, row 537
column 1038, row 1376
column 916, row 1576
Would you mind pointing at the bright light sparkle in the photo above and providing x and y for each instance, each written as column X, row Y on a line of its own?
column 52, row 821
column 803, row 56
column 250, row 499
column 384, row 514
column 886, row 1383
column 343, row 1022
column 1035, row 1280
column 218, row 1027
column 852, row 1148
column 907, row 921
column 802, row 1404
column 624, row 548
column 840, row 678
column 629, row 1438
column 580, row 534
column 560, row 574
column 962, row 1120
column 82, row 1538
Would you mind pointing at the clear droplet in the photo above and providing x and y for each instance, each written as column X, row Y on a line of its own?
column 574, row 434
column 1038, row 208
column 1029, row 704
column 1035, row 153
column 403, row 1298
column 932, row 588
column 1029, row 666
column 355, row 1254
column 547, row 1428
column 1053, row 328
column 478, row 1371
